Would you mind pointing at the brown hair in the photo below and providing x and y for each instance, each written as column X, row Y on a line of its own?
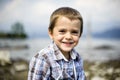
column 67, row 12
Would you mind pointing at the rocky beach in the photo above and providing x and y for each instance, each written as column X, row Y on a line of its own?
column 109, row 70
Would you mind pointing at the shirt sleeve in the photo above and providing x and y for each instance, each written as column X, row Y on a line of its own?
column 38, row 69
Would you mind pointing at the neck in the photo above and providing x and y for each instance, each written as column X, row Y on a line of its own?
column 67, row 56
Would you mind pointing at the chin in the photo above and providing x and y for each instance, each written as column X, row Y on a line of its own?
column 66, row 50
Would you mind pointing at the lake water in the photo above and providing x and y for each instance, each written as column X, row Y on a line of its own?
column 94, row 49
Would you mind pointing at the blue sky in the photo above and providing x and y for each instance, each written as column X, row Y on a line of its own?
column 35, row 14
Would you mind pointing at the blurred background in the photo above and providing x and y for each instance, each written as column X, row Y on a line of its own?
column 24, row 32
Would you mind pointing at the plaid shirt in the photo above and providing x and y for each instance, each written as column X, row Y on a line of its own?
column 50, row 64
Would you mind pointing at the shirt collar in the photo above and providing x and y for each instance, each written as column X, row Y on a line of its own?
column 59, row 55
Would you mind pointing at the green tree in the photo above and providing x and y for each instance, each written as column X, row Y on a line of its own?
column 18, row 31
column 17, row 28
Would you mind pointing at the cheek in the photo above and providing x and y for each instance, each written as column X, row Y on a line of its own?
column 76, row 39
column 57, row 37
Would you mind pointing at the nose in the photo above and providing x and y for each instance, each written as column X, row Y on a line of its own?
column 68, row 36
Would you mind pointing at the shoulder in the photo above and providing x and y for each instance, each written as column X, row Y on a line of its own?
column 41, row 57
column 41, row 54
column 78, row 56
column 44, row 54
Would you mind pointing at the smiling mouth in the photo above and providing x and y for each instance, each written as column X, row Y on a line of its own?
column 68, row 43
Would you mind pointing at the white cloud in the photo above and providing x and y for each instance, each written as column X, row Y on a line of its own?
column 101, row 12
column 35, row 14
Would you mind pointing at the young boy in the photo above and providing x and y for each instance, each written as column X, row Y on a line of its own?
column 60, row 61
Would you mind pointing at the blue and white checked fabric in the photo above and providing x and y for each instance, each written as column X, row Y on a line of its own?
column 50, row 64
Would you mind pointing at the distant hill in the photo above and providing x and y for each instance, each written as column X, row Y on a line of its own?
column 111, row 33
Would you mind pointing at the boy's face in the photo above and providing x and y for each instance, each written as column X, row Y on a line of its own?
column 66, row 34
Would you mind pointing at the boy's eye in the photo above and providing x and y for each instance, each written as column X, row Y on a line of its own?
column 61, row 31
column 75, row 32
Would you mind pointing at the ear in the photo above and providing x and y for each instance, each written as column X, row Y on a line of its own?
column 50, row 34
